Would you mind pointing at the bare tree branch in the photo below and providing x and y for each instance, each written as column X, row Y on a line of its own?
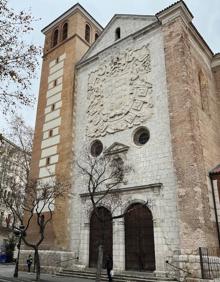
column 31, row 202
column 102, row 174
column 18, row 58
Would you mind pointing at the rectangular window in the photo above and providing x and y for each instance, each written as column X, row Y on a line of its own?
column 51, row 133
column 48, row 161
column 55, row 82
column 52, row 107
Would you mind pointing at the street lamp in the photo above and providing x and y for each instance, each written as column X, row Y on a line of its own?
column 19, row 232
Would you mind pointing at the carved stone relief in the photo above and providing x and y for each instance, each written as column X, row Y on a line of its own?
column 119, row 94
column 111, row 201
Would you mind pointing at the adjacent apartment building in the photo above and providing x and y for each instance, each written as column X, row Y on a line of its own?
column 12, row 173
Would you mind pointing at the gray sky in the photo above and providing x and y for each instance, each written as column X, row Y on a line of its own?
column 206, row 19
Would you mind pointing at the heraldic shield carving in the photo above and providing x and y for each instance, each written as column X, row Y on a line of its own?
column 119, row 94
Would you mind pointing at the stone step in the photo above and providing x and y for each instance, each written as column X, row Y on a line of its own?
column 93, row 270
column 124, row 274
column 116, row 278
column 119, row 277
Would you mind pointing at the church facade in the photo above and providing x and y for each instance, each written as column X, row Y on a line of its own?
column 147, row 90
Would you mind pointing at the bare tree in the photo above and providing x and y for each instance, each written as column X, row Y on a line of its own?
column 15, row 155
column 31, row 203
column 103, row 176
column 18, row 58
column 30, row 207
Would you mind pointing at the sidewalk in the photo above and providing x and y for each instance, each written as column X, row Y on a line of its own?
column 6, row 275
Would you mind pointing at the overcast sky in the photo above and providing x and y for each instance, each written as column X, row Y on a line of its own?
column 206, row 19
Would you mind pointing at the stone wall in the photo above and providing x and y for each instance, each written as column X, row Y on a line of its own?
column 111, row 79
column 51, row 261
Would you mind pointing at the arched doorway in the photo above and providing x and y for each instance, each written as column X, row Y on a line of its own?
column 100, row 234
column 139, row 239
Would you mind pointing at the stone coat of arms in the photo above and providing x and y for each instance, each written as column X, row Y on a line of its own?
column 119, row 94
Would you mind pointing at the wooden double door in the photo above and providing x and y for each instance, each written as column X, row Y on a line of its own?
column 100, row 234
column 139, row 237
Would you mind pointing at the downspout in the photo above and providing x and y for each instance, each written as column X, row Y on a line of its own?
column 215, row 209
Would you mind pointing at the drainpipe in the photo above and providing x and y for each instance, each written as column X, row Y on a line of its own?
column 215, row 209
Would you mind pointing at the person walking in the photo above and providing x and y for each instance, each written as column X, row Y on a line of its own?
column 109, row 266
column 29, row 262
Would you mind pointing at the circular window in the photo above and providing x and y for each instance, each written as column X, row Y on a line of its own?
column 96, row 148
column 141, row 136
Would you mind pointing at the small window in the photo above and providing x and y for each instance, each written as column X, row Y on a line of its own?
column 117, row 33
column 52, row 107
column 55, row 82
column 87, row 33
column 96, row 36
column 48, row 161
column 141, row 136
column 65, row 31
column 96, row 148
column 50, row 132
column 55, row 38
column 57, row 60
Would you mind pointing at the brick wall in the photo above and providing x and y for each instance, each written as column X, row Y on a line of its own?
column 195, row 135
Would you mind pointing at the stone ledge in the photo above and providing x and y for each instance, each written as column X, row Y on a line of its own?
column 126, row 189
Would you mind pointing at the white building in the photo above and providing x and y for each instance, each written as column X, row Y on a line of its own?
column 12, row 171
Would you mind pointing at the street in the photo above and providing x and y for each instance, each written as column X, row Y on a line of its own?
column 7, row 270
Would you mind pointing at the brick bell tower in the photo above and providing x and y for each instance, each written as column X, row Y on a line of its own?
column 67, row 39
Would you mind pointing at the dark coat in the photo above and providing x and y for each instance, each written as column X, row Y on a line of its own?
column 109, row 263
column 29, row 260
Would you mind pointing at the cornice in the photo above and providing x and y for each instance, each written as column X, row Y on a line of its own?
column 149, row 28
column 63, row 42
column 200, row 40
column 115, row 17
column 67, row 14
column 126, row 189
column 178, row 9
column 216, row 61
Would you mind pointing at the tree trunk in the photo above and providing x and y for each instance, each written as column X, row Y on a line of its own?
column 99, row 264
column 17, row 259
column 34, row 262
column 37, row 262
